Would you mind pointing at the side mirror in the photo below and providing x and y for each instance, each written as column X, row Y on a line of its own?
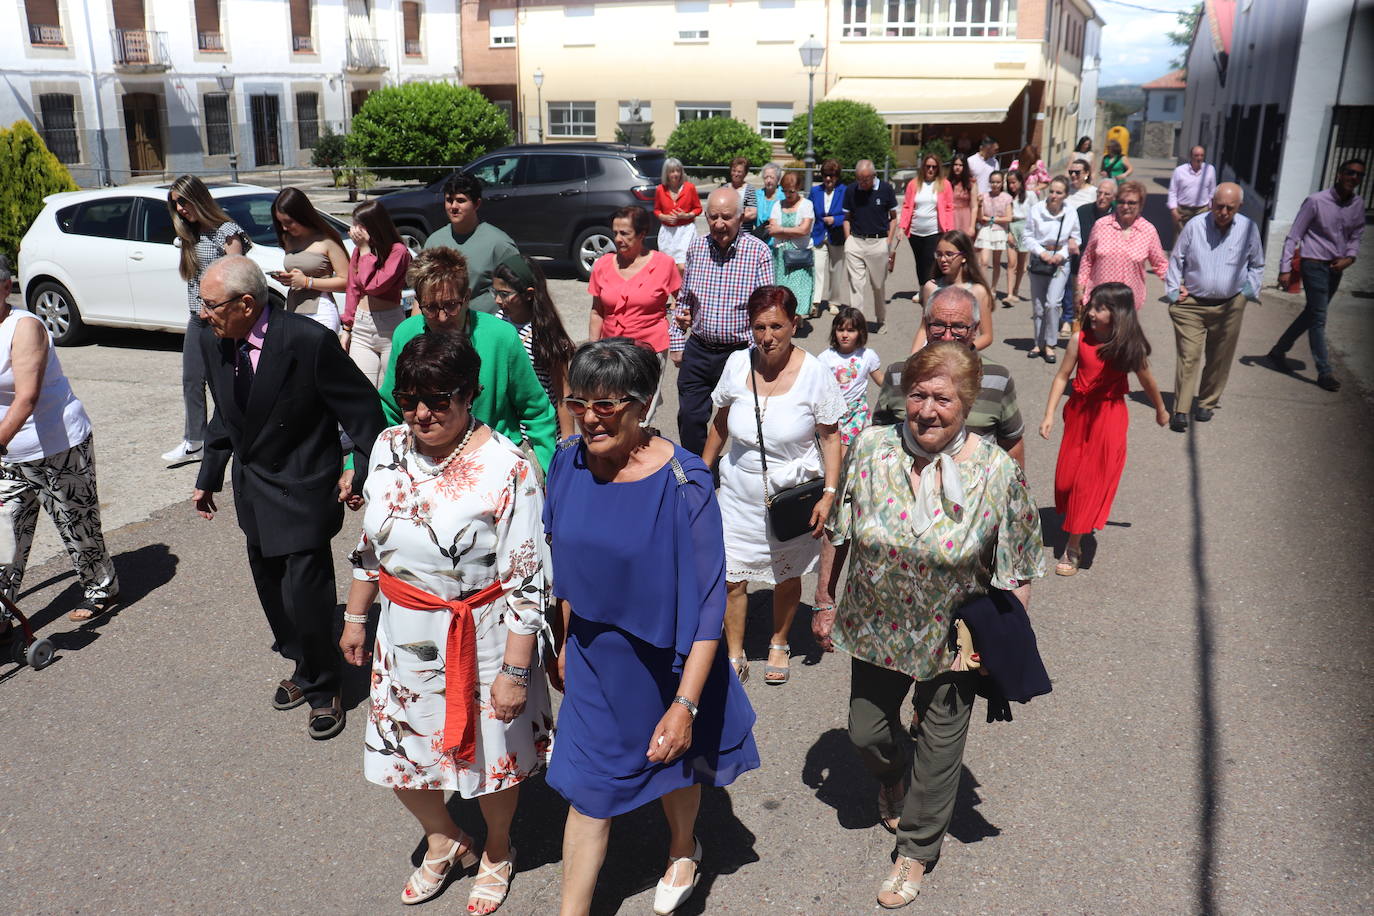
column 176, row 241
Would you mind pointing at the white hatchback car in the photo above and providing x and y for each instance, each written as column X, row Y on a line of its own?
column 108, row 257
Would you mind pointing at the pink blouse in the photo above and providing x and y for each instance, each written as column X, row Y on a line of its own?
column 369, row 276
column 1036, row 176
column 636, row 307
column 1116, row 255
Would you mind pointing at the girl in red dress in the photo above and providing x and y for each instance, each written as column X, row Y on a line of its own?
column 1092, row 454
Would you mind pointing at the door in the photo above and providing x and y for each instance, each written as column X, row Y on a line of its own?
column 143, row 128
column 553, row 199
column 500, row 207
column 266, row 130
column 96, row 257
column 155, row 284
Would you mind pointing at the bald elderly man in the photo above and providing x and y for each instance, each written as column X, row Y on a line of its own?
column 1217, row 265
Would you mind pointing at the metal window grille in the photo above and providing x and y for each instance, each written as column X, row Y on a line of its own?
column 59, row 126
column 308, row 119
column 219, row 139
column 1352, row 137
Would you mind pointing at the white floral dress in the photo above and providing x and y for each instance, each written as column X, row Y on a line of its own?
column 452, row 535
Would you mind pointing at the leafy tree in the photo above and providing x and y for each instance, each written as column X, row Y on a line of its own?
column 844, row 130
column 1183, row 36
column 422, row 130
column 330, row 151
column 715, row 141
column 936, row 147
column 28, row 173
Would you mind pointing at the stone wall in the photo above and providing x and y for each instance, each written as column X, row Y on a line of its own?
column 1157, row 140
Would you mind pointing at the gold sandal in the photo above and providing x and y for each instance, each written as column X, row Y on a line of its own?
column 1069, row 565
column 901, row 884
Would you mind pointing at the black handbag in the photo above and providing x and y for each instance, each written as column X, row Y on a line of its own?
column 794, row 258
column 789, row 511
column 1039, row 266
column 835, row 234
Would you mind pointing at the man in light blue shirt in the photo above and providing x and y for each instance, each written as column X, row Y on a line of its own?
column 1217, row 265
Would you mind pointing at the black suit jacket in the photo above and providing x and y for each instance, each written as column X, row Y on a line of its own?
column 285, row 445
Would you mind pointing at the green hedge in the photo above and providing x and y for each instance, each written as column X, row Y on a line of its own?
column 403, row 129
column 715, row 141
column 846, row 131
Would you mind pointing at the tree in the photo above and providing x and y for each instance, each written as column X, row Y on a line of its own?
column 715, row 141
column 1182, row 37
column 844, row 130
column 422, row 130
column 330, row 151
column 28, row 173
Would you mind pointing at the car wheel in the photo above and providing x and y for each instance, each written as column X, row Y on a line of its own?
column 56, row 308
column 591, row 244
column 413, row 238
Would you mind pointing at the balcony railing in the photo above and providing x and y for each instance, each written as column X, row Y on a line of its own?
column 366, row 54
column 210, row 41
column 46, row 35
column 413, row 48
column 302, row 44
column 140, row 49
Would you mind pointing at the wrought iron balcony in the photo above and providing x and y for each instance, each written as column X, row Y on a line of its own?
column 303, row 44
column 49, row 35
column 140, row 50
column 413, row 48
column 366, row 55
column 210, row 41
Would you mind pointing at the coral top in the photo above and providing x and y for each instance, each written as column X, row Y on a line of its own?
column 636, row 307
column 369, row 275
column 687, row 201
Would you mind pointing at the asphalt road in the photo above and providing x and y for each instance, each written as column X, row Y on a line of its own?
column 1206, row 747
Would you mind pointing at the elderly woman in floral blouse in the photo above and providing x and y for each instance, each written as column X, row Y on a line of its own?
column 932, row 516
column 453, row 537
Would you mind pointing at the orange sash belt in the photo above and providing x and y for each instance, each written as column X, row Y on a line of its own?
column 460, row 658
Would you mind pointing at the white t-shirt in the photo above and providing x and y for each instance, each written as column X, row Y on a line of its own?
column 851, row 371
column 982, row 171
column 924, row 218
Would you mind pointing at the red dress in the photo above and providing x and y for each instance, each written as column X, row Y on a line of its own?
column 1092, row 454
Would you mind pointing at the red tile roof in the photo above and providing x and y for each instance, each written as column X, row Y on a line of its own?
column 1174, row 80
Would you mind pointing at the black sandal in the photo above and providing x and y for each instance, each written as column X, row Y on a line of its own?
column 326, row 721
column 91, row 609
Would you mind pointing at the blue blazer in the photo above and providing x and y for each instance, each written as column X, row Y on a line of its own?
column 818, row 228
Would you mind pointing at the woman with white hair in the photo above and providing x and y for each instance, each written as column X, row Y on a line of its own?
column 767, row 198
column 677, row 206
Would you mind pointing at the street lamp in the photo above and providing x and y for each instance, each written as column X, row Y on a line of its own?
column 225, row 79
column 812, row 53
column 539, row 96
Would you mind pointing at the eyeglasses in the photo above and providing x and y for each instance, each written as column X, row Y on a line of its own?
column 1352, row 173
column 502, row 295
column 939, row 329
column 1127, row 202
column 946, row 255
column 436, row 402
column 214, row 306
column 450, row 306
column 602, row 407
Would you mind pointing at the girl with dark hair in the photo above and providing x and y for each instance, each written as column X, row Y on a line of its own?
column 207, row 234
column 376, row 276
column 522, row 298
column 965, row 193
column 1092, row 453
column 779, row 409
column 853, row 364
column 315, row 266
column 1022, row 199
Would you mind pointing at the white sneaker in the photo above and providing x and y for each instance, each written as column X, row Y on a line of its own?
column 186, row 452
column 1065, row 329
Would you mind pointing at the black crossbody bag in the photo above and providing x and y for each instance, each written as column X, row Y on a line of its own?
column 1042, row 267
column 789, row 511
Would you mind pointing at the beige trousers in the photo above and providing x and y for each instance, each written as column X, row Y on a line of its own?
column 865, row 261
column 1210, row 328
column 832, row 278
column 370, row 345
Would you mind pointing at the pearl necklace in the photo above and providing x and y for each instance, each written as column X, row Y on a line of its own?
column 443, row 465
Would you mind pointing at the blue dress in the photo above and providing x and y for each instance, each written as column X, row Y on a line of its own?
column 643, row 566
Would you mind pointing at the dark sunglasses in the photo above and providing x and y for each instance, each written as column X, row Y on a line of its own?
column 602, row 407
column 1352, row 173
column 437, row 402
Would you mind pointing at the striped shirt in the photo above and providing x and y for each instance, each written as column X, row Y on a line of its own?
column 1211, row 264
column 716, row 286
column 995, row 413
column 541, row 372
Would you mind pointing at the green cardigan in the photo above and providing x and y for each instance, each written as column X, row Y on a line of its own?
column 511, row 401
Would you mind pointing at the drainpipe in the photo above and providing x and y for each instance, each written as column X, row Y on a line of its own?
column 101, row 146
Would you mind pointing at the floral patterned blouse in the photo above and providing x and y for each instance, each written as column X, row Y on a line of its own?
column 902, row 587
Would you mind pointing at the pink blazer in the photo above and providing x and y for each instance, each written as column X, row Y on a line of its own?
column 944, row 207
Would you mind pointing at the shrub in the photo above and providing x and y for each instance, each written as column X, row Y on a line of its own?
column 422, row 130
column 937, row 147
column 715, row 141
column 28, row 173
column 844, row 130
column 330, row 151
column 622, row 137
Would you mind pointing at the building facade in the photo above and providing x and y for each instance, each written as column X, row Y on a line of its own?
column 932, row 68
column 1288, row 97
column 129, row 88
column 1162, row 116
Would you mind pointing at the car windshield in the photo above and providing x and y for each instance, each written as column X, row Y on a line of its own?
column 253, row 213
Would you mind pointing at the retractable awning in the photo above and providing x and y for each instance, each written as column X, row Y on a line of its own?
column 922, row 100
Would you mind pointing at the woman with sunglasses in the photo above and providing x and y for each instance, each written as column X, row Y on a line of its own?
column 509, row 398
column 522, row 298
column 207, row 234
column 927, row 211
column 650, row 710
column 453, row 540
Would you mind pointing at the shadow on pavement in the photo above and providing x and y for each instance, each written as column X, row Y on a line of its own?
column 968, row 824
column 134, row 339
column 758, row 627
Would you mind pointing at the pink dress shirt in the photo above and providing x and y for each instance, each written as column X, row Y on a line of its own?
column 370, row 276
column 1116, row 255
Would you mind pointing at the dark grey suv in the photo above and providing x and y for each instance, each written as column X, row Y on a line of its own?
column 554, row 200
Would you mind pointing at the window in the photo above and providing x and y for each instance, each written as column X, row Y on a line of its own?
column 646, row 111
column 208, row 34
column 410, row 25
column 1171, row 102
column 496, row 172
column 572, row 119
column 774, row 119
column 548, row 169
column 695, row 111
column 577, row 25
column 301, row 40
column 219, row 140
column 692, row 21
column 929, row 19
column 104, row 219
column 58, row 119
column 906, row 135
column 153, row 223
column 45, row 28
column 308, row 119
column 855, row 18
column 502, row 28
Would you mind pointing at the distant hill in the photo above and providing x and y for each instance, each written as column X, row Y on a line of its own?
column 1123, row 95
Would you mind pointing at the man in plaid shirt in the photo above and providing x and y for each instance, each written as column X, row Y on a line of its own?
column 723, row 270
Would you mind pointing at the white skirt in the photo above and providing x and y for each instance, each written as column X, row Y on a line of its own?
column 675, row 240
column 752, row 554
column 991, row 238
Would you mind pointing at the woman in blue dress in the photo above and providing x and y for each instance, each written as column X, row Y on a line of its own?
column 651, row 709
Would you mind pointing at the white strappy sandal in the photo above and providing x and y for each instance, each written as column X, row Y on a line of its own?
column 902, row 883
column 494, row 893
column 420, row 887
column 668, row 897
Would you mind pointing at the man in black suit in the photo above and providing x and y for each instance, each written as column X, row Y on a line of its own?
column 282, row 387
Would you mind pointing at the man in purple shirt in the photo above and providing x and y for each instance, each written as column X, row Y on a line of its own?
column 1328, row 229
column 1191, row 188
